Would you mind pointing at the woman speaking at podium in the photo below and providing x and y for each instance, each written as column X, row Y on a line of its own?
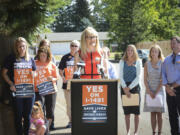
column 92, row 55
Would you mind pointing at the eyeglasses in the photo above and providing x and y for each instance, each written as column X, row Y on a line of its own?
column 74, row 46
column 91, row 37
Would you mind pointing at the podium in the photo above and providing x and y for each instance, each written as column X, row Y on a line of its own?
column 94, row 106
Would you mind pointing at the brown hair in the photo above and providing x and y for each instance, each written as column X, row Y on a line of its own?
column 16, row 43
column 160, row 56
column 45, row 49
column 135, row 54
column 37, row 108
column 43, row 41
column 177, row 38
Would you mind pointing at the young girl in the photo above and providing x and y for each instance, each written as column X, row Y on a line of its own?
column 154, row 89
column 37, row 126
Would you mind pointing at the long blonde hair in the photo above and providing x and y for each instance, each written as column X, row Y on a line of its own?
column 37, row 109
column 16, row 43
column 88, row 31
column 160, row 56
column 135, row 54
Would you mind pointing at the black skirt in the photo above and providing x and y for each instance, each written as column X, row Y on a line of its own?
column 132, row 109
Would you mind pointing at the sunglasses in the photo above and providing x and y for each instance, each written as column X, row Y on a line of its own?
column 74, row 46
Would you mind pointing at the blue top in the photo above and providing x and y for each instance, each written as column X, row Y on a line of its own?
column 11, row 63
column 129, row 72
column 170, row 71
column 111, row 71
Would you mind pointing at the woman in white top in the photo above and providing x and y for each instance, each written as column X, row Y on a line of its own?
column 130, row 71
column 154, row 89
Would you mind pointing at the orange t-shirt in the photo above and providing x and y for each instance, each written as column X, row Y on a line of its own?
column 43, row 71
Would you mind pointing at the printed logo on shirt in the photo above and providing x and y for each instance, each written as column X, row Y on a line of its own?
column 23, row 76
column 23, row 79
column 44, row 86
column 69, row 71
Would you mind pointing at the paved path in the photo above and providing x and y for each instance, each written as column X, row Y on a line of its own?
column 144, row 126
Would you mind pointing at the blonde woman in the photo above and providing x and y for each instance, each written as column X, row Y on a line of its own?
column 17, row 72
column 154, row 89
column 91, row 54
column 130, row 72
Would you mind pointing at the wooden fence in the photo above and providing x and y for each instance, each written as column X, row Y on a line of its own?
column 165, row 46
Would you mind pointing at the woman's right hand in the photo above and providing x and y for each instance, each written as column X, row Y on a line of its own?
column 64, row 80
column 126, row 91
column 152, row 95
column 13, row 88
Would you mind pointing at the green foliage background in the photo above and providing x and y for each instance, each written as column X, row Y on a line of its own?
column 133, row 21
column 27, row 17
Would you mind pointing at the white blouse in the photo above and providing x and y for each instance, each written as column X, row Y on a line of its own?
column 136, row 81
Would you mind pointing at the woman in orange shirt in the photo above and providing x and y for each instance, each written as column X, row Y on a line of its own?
column 45, row 81
column 91, row 54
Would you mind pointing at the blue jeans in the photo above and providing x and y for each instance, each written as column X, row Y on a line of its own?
column 23, row 108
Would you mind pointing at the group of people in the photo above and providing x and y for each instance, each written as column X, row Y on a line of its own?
column 27, row 79
column 35, row 113
column 162, row 83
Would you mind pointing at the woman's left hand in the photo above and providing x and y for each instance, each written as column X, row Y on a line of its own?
column 50, row 78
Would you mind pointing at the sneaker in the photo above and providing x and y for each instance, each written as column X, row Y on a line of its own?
column 69, row 125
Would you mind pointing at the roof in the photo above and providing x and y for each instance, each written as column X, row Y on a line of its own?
column 69, row 36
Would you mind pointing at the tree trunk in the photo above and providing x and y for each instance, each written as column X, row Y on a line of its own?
column 6, row 111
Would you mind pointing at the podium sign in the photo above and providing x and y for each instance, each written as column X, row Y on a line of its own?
column 94, row 107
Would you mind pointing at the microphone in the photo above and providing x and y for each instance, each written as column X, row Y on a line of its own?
column 77, row 73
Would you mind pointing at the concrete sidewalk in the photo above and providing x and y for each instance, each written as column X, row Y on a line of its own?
column 61, row 119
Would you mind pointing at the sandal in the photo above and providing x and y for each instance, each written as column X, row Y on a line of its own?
column 154, row 133
column 159, row 133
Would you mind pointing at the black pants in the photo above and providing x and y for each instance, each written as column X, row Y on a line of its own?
column 23, row 108
column 173, row 103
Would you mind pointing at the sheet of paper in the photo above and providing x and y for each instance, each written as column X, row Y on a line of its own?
column 156, row 102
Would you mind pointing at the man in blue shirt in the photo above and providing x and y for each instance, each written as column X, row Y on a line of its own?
column 171, row 80
column 111, row 69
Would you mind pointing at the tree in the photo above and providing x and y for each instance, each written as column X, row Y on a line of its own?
column 98, row 17
column 75, row 17
column 21, row 18
column 132, row 21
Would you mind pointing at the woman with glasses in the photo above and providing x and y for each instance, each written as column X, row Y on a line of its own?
column 91, row 54
column 66, row 70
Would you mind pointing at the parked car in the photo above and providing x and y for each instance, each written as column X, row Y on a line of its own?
column 143, row 54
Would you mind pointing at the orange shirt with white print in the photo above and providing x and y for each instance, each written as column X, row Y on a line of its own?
column 43, row 71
